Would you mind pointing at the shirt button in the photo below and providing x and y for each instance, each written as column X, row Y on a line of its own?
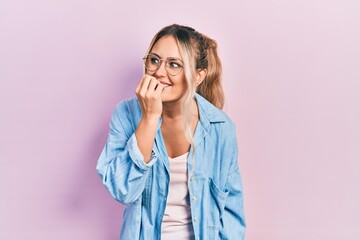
column 192, row 178
column 196, row 219
column 194, row 198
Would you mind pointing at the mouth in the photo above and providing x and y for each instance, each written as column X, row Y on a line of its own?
column 166, row 84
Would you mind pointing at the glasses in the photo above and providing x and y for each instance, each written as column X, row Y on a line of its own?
column 173, row 66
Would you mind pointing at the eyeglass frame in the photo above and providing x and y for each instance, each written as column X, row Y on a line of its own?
column 163, row 60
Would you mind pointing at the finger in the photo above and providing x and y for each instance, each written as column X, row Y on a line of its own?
column 144, row 86
column 160, row 88
column 138, row 87
column 153, row 84
column 151, row 78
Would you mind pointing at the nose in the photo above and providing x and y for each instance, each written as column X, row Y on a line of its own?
column 161, row 71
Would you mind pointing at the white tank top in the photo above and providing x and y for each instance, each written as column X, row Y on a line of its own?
column 176, row 222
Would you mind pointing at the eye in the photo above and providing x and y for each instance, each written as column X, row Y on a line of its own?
column 154, row 60
column 174, row 63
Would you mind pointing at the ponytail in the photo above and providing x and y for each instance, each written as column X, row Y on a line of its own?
column 211, row 87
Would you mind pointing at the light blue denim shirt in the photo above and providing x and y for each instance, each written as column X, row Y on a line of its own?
column 215, row 187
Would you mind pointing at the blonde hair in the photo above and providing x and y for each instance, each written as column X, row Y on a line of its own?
column 198, row 52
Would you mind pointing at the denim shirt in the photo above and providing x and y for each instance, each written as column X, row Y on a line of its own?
column 214, row 182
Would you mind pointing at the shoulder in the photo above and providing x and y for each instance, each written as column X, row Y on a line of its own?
column 127, row 105
column 213, row 114
column 127, row 113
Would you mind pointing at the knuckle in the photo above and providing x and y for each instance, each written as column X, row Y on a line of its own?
column 148, row 95
column 154, row 79
column 142, row 93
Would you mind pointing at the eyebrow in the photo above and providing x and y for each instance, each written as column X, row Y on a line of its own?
column 167, row 58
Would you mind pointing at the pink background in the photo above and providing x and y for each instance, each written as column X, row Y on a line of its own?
column 292, row 84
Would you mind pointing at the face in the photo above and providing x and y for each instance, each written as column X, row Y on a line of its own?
column 166, row 47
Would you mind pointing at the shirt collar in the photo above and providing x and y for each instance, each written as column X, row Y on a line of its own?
column 208, row 112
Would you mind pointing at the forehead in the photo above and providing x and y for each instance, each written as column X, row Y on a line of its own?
column 166, row 47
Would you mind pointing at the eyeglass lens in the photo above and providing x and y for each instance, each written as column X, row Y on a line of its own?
column 173, row 66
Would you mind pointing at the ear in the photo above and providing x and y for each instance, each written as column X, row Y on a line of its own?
column 200, row 76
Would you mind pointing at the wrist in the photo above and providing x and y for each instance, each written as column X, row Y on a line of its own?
column 150, row 119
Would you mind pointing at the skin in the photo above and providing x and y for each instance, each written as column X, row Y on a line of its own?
column 157, row 99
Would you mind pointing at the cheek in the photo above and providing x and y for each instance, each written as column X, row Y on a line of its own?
column 181, row 85
column 149, row 73
column 180, row 80
column 184, row 83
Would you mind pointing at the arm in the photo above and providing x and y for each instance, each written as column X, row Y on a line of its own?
column 233, row 221
column 234, row 218
column 127, row 156
column 148, row 92
column 121, row 164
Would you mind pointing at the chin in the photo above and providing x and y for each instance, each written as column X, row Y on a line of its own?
column 169, row 95
column 167, row 99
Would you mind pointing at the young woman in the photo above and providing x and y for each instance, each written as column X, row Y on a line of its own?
column 171, row 153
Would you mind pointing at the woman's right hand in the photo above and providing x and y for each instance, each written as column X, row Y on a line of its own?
column 148, row 92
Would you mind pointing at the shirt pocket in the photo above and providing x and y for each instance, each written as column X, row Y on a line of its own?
column 216, row 208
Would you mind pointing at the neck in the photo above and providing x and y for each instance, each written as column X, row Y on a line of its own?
column 172, row 111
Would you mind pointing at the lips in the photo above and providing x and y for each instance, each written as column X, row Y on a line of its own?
column 166, row 84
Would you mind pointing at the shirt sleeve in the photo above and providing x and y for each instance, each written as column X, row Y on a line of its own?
column 121, row 164
column 233, row 221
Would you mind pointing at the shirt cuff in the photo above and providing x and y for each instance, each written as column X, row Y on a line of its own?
column 137, row 157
